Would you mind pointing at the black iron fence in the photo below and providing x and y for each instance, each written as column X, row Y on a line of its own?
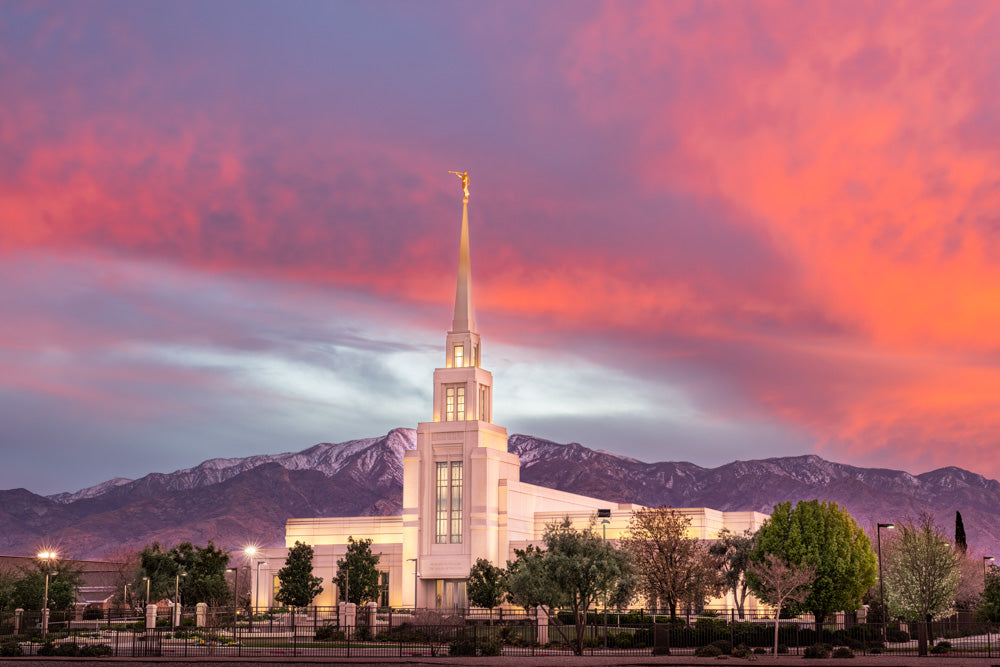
column 320, row 632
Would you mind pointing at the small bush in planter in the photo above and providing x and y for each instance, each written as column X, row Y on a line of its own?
column 843, row 652
column 817, row 651
column 710, row 651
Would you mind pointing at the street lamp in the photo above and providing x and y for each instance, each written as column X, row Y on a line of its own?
column 177, row 596
column 48, row 557
column 416, row 575
column 251, row 551
column 986, row 559
column 604, row 532
column 146, row 579
column 881, row 586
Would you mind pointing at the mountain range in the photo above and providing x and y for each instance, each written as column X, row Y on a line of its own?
column 247, row 500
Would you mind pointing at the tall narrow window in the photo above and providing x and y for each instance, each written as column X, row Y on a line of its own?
column 449, row 404
column 448, row 503
column 454, row 403
column 475, row 355
column 456, row 502
column 459, row 356
column 484, row 403
column 441, row 504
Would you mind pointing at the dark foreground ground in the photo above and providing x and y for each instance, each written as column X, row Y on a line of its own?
column 562, row 661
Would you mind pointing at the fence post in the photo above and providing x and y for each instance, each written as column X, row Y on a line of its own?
column 18, row 615
column 200, row 612
column 732, row 626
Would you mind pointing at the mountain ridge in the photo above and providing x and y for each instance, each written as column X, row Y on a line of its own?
column 238, row 500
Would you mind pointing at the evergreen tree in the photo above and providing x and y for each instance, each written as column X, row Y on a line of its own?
column 297, row 585
column 828, row 538
column 357, row 572
column 577, row 569
column 960, row 543
column 734, row 551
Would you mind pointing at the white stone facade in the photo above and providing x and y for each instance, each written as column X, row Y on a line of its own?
column 462, row 494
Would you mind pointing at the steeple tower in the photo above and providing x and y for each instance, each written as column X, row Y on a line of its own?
column 465, row 319
column 461, row 466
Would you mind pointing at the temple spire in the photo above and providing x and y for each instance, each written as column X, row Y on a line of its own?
column 464, row 319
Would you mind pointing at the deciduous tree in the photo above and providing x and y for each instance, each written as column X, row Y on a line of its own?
column 822, row 535
column 577, row 569
column 780, row 582
column 673, row 566
column 921, row 571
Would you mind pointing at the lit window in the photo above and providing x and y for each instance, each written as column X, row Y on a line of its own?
column 484, row 403
column 456, row 502
column 475, row 355
column 454, row 403
column 459, row 356
column 441, row 505
column 448, row 503
column 383, row 588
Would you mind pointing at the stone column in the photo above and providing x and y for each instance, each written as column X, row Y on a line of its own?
column 150, row 616
column 45, row 621
column 200, row 614
column 18, row 615
column 350, row 615
column 176, row 609
column 371, row 614
column 542, row 619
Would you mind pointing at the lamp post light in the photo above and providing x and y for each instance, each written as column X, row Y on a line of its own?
column 236, row 592
column 251, row 552
column 146, row 579
column 986, row 559
column 47, row 557
column 416, row 576
column 881, row 586
column 177, row 596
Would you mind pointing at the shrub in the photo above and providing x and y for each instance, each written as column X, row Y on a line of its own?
column 67, row 650
column 897, row 635
column 48, row 648
column 462, row 646
column 328, row 633
column 843, row 652
column 724, row 645
column 10, row 649
column 741, row 651
column 817, row 651
column 709, row 651
column 93, row 614
column 760, row 650
column 782, row 648
column 188, row 621
column 490, row 647
column 941, row 648
column 95, row 650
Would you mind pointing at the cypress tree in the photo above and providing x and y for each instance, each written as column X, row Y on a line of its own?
column 960, row 543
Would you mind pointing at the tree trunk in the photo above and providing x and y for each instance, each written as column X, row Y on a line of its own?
column 673, row 609
column 777, row 619
column 820, row 619
column 581, row 624
column 921, row 638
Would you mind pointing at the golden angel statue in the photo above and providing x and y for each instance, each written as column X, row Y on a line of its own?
column 464, row 175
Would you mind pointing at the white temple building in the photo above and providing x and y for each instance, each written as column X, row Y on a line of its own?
column 463, row 498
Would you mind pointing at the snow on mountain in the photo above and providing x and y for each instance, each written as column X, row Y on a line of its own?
column 328, row 459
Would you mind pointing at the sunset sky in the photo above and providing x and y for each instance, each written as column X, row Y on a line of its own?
column 700, row 231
